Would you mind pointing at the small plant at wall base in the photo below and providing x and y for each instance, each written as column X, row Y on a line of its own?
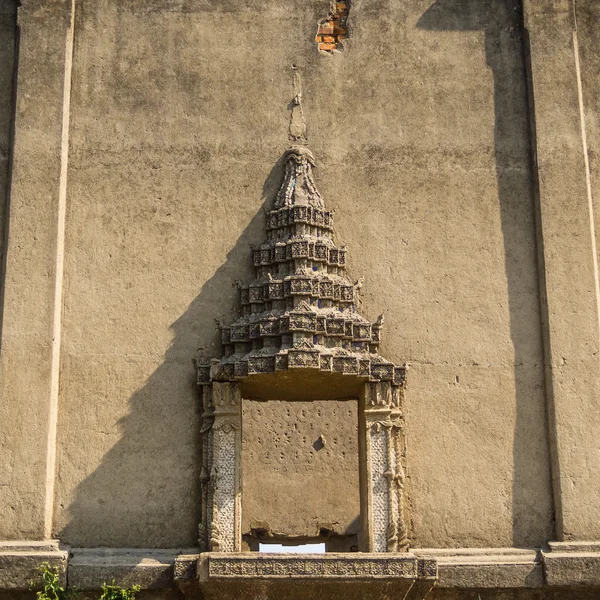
column 53, row 590
column 114, row 592
column 50, row 584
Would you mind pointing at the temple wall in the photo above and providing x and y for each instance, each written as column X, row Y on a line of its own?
column 588, row 17
column 29, row 358
column 422, row 143
column 137, row 192
column 563, row 90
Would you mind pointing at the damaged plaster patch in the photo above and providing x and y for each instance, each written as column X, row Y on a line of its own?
column 333, row 30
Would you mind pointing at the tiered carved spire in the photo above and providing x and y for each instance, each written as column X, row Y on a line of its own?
column 301, row 311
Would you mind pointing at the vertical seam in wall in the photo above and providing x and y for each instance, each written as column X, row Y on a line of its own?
column 58, row 281
column 588, row 179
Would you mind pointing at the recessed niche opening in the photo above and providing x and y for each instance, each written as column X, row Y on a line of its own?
column 300, row 476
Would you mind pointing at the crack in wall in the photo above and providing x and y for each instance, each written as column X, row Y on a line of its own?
column 333, row 30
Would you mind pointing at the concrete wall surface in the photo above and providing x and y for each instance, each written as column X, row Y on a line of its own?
column 458, row 142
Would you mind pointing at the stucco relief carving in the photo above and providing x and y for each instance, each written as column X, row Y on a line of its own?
column 301, row 314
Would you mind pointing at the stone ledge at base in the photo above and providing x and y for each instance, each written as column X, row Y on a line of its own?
column 564, row 565
column 236, row 576
column 485, row 568
column 220, row 566
column 89, row 568
column 20, row 561
column 572, row 564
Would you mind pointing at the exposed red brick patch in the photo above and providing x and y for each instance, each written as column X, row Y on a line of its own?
column 334, row 28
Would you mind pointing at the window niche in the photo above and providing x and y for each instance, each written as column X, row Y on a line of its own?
column 303, row 437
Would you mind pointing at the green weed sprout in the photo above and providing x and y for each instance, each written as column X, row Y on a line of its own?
column 110, row 591
column 50, row 584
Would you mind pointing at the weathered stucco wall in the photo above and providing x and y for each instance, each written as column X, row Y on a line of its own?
column 178, row 118
column 8, row 30
column 568, row 260
column 29, row 358
column 588, row 17
column 587, row 408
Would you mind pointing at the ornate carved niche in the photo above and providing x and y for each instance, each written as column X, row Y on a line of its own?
column 301, row 339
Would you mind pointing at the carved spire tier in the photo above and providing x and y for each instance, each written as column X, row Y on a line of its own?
column 301, row 311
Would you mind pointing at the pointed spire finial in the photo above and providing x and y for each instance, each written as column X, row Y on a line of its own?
column 297, row 122
column 301, row 311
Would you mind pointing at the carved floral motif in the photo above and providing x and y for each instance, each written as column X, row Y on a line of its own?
column 322, row 567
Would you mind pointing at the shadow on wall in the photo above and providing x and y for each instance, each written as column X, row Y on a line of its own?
column 128, row 500
column 504, row 50
column 9, row 49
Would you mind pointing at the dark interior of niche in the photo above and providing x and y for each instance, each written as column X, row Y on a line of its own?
column 333, row 542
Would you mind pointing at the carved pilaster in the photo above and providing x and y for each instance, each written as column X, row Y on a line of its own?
column 207, row 460
column 384, row 529
column 223, row 491
column 398, row 543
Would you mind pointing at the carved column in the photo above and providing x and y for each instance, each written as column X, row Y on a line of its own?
column 382, row 472
column 399, row 542
column 223, row 493
column 207, row 459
